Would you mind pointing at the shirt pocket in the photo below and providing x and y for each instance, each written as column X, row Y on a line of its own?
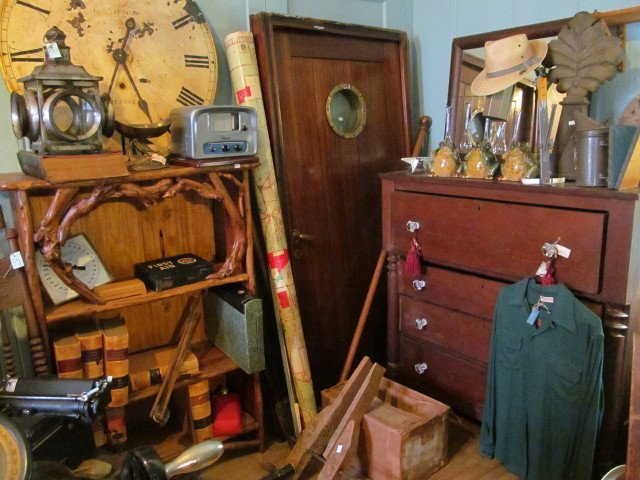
column 509, row 353
column 565, row 378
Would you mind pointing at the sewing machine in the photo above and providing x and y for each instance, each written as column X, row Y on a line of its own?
column 45, row 432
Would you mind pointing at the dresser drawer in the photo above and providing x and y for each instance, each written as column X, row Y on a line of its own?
column 450, row 379
column 460, row 291
column 461, row 333
column 500, row 239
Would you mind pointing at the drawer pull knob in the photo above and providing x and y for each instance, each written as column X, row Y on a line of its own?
column 421, row 323
column 413, row 226
column 421, row 368
column 419, row 284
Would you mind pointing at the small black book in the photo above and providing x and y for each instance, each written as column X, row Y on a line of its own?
column 171, row 272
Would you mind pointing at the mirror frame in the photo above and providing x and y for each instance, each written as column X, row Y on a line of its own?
column 533, row 31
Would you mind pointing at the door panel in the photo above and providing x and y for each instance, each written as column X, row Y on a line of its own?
column 330, row 184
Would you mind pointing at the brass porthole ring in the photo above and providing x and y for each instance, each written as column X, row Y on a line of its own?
column 346, row 110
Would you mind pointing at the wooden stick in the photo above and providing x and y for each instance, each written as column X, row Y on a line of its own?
column 363, row 316
column 38, row 353
column 336, row 459
column 425, row 124
column 7, row 351
column 159, row 412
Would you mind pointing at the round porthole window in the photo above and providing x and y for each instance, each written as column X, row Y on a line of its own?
column 346, row 110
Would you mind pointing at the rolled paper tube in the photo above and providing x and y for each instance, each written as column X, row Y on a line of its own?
column 245, row 78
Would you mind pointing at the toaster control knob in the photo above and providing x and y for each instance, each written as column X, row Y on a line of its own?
column 237, row 147
column 225, row 147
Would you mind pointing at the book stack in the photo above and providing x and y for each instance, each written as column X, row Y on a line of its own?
column 78, row 354
column 200, row 411
column 115, row 344
column 91, row 356
column 67, row 353
column 149, row 368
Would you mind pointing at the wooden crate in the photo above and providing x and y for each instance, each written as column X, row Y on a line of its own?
column 404, row 434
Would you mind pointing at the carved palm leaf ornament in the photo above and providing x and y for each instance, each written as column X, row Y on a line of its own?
column 584, row 55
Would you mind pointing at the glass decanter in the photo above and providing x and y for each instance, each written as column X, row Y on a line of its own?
column 481, row 162
column 445, row 160
column 518, row 161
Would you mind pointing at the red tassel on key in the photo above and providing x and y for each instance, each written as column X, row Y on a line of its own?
column 548, row 278
column 412, row 267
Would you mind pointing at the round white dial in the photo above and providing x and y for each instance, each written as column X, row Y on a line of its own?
column 87, row 267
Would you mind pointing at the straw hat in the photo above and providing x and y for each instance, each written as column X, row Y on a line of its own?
column 507, row 61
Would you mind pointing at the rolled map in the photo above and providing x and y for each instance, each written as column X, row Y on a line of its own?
column 245, row 79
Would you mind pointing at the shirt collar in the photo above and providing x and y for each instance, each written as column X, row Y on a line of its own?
column 562, row 310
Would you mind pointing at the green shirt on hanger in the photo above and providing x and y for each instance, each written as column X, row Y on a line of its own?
column 544, row 397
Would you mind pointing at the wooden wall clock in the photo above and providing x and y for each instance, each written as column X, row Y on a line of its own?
column 153, row 55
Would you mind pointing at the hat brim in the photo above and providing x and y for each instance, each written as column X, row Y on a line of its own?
column 482, row 85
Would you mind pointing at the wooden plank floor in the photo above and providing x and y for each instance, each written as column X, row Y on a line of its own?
column 465, row 462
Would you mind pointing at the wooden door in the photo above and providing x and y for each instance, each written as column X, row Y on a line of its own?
column 330, row 190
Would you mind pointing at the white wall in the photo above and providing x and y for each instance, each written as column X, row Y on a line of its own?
column 436, row 24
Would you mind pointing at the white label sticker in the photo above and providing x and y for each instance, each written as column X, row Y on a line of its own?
column 542, row 269
column 16, row 260
column 52, row 50
column 547, row 299
column 339, row 449
column 563, row 251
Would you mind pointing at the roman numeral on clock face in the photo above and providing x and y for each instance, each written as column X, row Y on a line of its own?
column 182, row 21
column 196, row 61
column 187, row 97
column 22, row 56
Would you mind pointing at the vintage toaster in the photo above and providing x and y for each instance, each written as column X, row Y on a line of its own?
column 209, row 131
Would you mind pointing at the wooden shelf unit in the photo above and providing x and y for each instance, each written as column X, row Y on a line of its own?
column 145, row 216
column 78, row 308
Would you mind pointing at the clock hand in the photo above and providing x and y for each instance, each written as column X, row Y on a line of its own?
column 119, row 55
column 141, row 103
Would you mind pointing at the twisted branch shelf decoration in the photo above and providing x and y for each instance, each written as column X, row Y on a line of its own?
column 64, row 211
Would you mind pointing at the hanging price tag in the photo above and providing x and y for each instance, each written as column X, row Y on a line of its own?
column 52, row 50
column 16, row 260
column 542, row 269
column 563, row 251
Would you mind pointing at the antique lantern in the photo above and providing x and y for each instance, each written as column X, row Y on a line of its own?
column 61, row 111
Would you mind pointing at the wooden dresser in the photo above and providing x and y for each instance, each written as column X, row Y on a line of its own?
column 477, row 236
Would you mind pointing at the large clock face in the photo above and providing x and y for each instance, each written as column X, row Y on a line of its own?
column 153, row 55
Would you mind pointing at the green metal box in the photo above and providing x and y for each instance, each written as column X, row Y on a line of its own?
column 233, row 323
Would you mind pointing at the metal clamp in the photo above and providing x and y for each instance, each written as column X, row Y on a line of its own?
column 550, row 250
column 421, row 323
column 412, row 226
column 419, row 285
column 421, row 368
